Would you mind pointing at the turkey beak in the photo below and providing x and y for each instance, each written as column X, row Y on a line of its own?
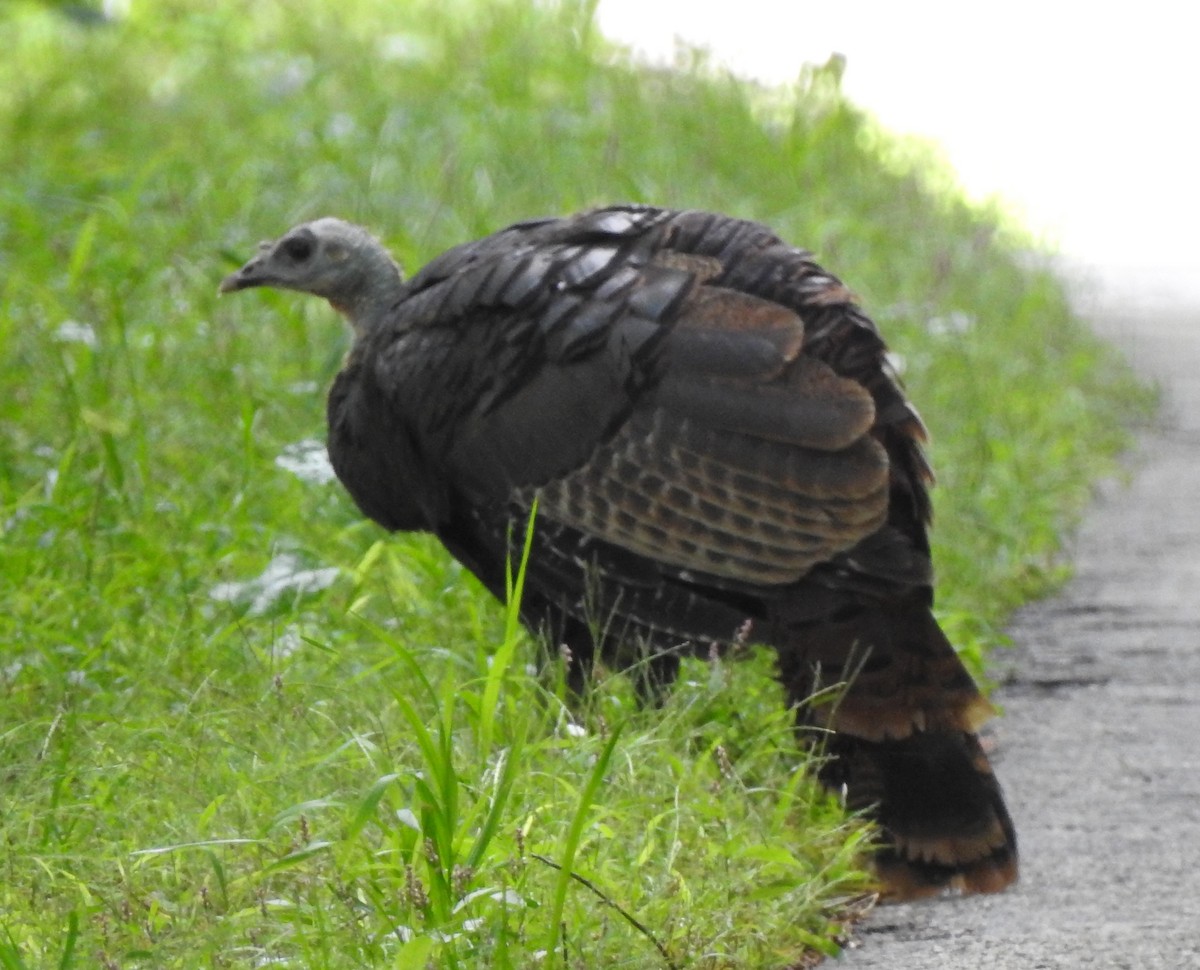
column 249, row 275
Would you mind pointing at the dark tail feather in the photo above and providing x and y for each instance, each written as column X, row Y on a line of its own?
column 943, row 819
column 901, row 737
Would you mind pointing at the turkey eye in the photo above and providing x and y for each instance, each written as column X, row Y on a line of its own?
column 298, row 248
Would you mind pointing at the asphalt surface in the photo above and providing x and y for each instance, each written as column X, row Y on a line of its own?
column 1099, row 746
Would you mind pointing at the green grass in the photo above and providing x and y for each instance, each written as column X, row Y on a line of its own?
column 353, row 766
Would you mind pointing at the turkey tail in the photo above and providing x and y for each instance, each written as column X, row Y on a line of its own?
column 942, row 817
column 900, row 736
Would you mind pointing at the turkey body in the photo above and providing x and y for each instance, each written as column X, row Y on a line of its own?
column 715, row 443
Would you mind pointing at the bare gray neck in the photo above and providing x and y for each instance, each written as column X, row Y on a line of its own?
column 377, row 288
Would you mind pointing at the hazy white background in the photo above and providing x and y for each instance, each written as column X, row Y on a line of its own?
column 1084, row 117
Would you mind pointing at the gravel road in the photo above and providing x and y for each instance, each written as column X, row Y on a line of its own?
column 1099, row 747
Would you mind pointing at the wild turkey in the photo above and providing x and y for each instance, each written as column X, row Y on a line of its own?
column 710, row 429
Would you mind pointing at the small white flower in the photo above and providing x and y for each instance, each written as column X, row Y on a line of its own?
column 307, row 460
column 74, row 332
column 282, row 576
column 956, row 321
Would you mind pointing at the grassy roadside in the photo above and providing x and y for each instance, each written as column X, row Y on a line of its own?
column 239, row 726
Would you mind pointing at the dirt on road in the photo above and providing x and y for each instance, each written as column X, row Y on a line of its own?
column 1099, row 745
